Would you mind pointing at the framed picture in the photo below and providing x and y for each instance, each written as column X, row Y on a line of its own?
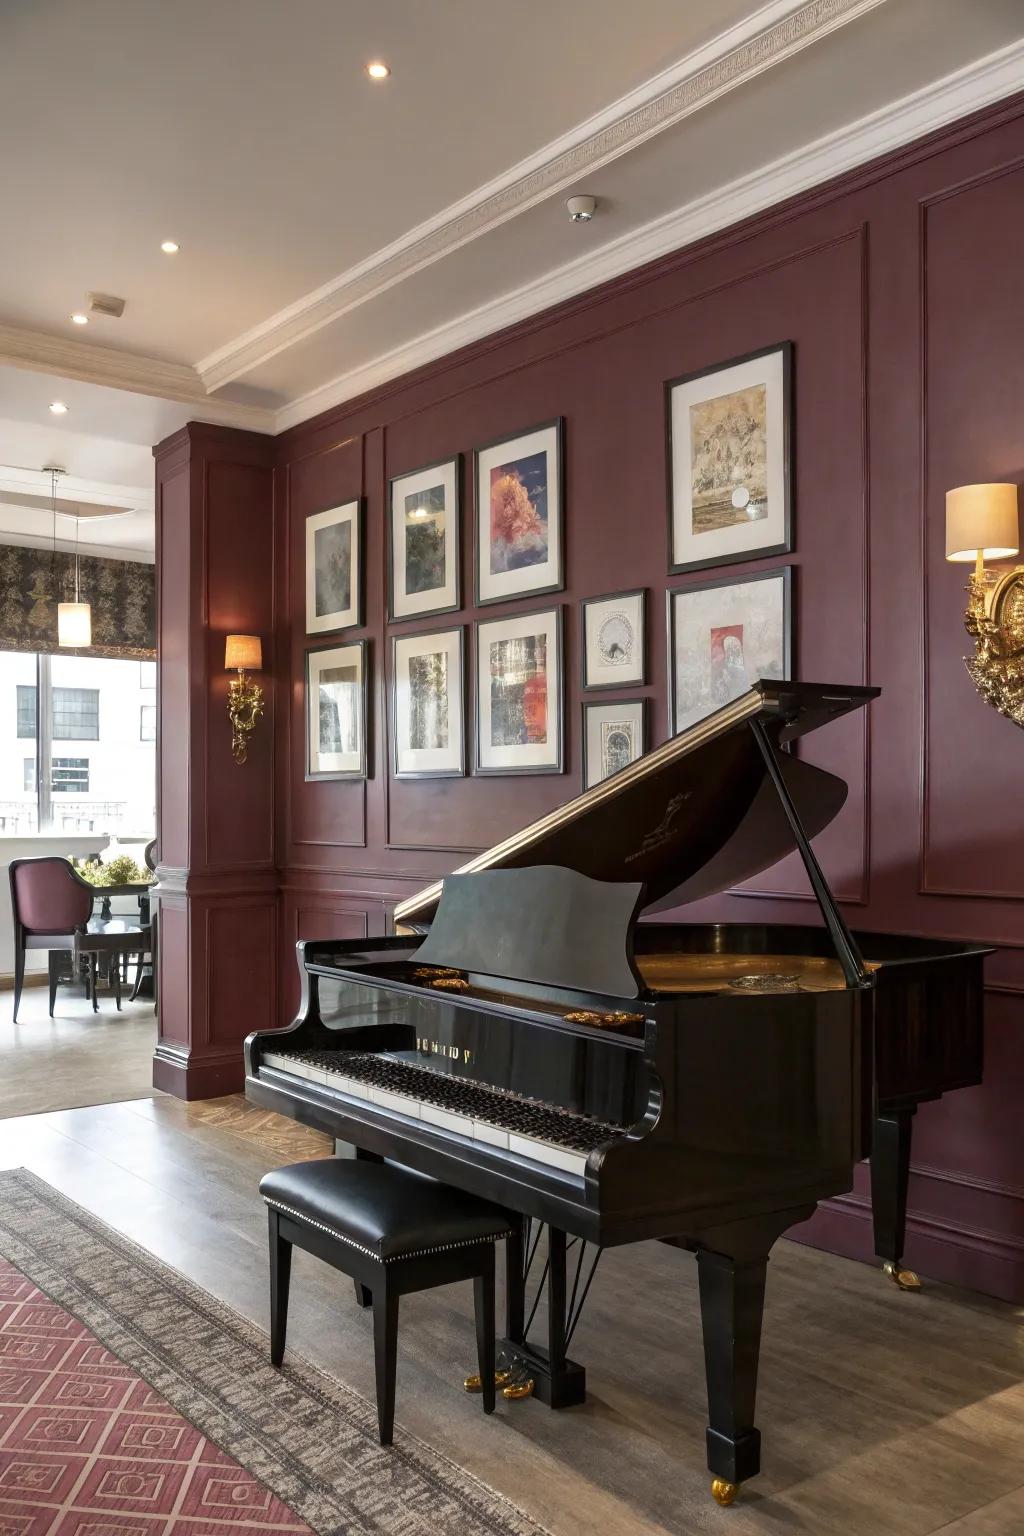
column 519, row 515
column 519, row 693
column 334, row 578
column 423, row 541
column 722, row 636
column 729, row 435
column 336, row 711
column 613, row 640
column 614, row 735
column 427, row 705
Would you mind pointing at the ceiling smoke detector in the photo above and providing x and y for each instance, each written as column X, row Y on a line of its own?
column 581, row 209
column 106, row 304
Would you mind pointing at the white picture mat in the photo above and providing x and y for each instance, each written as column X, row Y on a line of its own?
column 598, row 715
column 597, row 671
column 321, row 623
column 320, row 662
column 528, row 578
column 541, row 754
column 692, row 613
column 423, row 760
column 764, row 533
column 409, row 604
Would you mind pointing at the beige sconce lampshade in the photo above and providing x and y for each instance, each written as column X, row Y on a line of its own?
column 982, row 520
column 243, row 651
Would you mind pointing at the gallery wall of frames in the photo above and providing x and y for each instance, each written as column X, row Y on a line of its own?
column 501, row 577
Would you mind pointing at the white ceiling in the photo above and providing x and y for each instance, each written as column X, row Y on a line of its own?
column 335, row 232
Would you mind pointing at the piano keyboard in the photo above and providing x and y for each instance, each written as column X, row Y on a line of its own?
column 542, row 1132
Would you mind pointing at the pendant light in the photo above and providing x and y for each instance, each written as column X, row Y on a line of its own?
column 74, row 620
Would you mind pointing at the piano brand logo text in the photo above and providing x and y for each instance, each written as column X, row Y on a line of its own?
column 438, row 1048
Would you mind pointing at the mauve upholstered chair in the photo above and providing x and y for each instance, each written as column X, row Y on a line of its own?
column 49, row 902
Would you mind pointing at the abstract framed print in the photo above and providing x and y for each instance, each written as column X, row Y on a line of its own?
column 334, row 576
column 519, row 693
column 427, row 705
column 729, row 483
column 336, row 711
column 519, row 515
column 614, row 735
column 722, row 636
column 613, row 640
column 423, row 541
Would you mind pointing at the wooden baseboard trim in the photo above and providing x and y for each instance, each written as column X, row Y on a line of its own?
column 33, row 979
column 195, row 1078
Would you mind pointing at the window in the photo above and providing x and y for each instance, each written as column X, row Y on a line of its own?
column 147, row 674
column 76, row 714
column 26, row 710
column 147, row 722
column 30, row 774
column 70, row 775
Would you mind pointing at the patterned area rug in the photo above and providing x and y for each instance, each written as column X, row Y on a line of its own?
column 105, row 1353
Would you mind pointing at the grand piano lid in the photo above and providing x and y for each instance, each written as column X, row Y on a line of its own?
column 695, row 816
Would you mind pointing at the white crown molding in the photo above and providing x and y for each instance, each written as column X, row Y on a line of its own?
column 979, row 84
column 774, row 32
column 70, row 359
column 17, row 481
column 67, row 546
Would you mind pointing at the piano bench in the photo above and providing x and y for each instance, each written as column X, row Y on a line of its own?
column 393, row 1232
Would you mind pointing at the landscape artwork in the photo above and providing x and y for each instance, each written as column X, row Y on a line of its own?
column 729, row 435
column 519, row 694
column 424, row 541
column 336, row 712
column 613, row 640
column 519, row 515
column 613, row 737
column 333, row 574
column 427, row 701
column 723, row 637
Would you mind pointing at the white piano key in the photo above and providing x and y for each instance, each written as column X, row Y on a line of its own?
column 491, row 1134
column 396, row 1101
column 350, row 1085
column 547, row 1152
column 296, row 1068
column 446, row 1120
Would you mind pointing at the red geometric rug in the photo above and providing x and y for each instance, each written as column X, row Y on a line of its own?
column 87, row 1448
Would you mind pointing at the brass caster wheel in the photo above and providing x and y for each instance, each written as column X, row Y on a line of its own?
column 724, row 1493
column 517, row 1389
column 474, row 1384
column 905, row 1279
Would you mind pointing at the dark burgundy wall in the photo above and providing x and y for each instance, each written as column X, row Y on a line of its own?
column 900, row 287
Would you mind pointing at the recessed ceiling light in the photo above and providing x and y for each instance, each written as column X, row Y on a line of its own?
column 170, row 247
column 79, row 319
column 377, row 70
column 58, row 407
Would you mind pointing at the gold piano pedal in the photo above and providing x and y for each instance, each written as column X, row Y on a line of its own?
column 475, row 1384
column 724, row 1493
column 905, row 1279
column 517, row 1389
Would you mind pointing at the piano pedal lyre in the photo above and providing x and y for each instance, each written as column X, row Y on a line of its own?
column 904, row 1279
column 724, row 1493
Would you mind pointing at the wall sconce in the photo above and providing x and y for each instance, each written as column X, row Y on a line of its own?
column 245, row 698
column 982, row 524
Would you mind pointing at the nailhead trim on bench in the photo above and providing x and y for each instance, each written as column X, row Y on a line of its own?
column 415, row 1253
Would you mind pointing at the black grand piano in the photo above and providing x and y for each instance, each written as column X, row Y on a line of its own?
column 614, row 1079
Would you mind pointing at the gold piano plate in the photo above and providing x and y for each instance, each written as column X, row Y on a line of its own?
column 674, row 972
column 449, row 984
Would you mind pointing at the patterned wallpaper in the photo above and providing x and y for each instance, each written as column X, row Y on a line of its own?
column 121, row 593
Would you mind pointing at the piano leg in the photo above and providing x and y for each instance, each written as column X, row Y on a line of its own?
column 731, row 1265
column 890, row 1175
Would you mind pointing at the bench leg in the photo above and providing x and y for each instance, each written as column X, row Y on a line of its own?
column 483, row 1298
column 385, row 1351
column 364, row 1296
column 280, row 1274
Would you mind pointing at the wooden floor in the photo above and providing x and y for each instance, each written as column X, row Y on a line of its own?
column 881, row 1412
column 78, row 1057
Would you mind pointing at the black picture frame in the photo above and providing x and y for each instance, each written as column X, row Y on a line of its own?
column 432, row 773
column 733, row 579
column 764, row 552
column 316, row 776
column 558, row 611
column 645, row 726
column 558, row 424
column 456, row 462
column 611, row 597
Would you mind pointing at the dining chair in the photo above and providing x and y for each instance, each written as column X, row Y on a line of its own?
column 50, row 901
